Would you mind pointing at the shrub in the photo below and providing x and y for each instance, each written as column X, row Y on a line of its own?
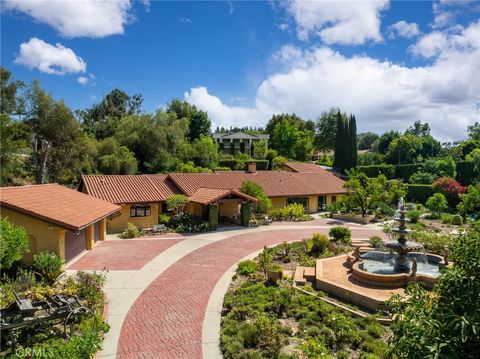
column 465, row 172
column 48, row 265
column 470, row 201
column 213, row 217
column 437, row 204
column 434, row 242
column 450, row 188
column 376, row 241
column 414, row 215
column 376, row 170
column 13, row 243
column 163, row 218
column 319, row 243
column 457, row 220
column 446, row 218
column 404, row 172
column 89, row 288
column 341, row 234
column 291, row 212
column 247, row 267
column 230, row 163
column 422, row 178
column 130, row 231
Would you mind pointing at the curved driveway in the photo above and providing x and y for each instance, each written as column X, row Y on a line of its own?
column 159, row 310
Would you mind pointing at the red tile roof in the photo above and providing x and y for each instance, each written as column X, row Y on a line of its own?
column 305, row 167
column 129, row 188
column 56, row 204
column 208, row 195
column 155, row 188
column 274, row 183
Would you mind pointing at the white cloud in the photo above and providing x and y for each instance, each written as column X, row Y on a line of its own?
column 185, row 20
column 446, row 11
column 381, row 94
column 429, row 45
column 86, row 18
column 342, row 22
column 87, row 80
column 404, row 29
column 58, row 59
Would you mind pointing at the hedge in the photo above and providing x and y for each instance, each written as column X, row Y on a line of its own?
column 262, row 165
column 232, row 164
column 465, row 172
column 419, row 192
column 245, row 214
column 213, row 217
column 376, row 170
column 406, row 171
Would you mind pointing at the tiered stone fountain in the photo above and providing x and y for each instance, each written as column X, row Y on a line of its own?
column 407, row 263
column 401, row 246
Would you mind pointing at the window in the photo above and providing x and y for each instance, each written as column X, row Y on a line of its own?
column 334, row 199
column 322, row 203
column 140, row 210
column 301, row 200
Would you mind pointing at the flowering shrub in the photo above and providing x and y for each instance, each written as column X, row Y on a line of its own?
column 450, row 188
column 89, row 288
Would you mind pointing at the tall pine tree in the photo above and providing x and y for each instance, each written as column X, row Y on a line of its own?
column 345, row 144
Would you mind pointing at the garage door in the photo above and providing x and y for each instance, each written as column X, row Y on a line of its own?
column 74, row 245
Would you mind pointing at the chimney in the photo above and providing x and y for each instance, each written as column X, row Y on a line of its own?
column 252, row 167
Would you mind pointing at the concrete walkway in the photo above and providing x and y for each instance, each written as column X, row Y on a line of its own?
column 171, row 306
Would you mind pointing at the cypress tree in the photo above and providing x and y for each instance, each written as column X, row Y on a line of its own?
column 353, row 138
column 339, row 149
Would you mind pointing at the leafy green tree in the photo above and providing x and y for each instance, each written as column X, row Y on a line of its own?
column 292, row 142
column 437, row 203
column 54, row 133
column 366, row 140
column 292, row 119
column 403, row 149
column 177, row 203
column 474, row 131
column 419, row 129
column 466, row 147
column 10, row 102
column 446, row 167
column 260, row 149
column 326, row 129
column 270, row 156
column 102, row 119
column 474, row 156
column 422, row 178
column 470, row 201
column 255, row 190
column 445, row 323
column 189, row 167
column 381, row 144
column 114, row 159
column 199, row 125
column 13, row 243
column 363, row 193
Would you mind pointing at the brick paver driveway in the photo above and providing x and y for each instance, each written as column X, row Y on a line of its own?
column 123, row 254
column 167, row 318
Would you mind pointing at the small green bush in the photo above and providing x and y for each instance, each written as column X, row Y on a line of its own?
column 414, row 215
column 247, row 267
column 163, row 218
column 446, row 218
column 457, row 220
column 376, row 241
column 292, row 212
column 13, row 243
column 434, row 242
column 341, row 234
column 48, row 265
column 89, row 288
column 437, row 203
column 130, row 231
column 319, row 243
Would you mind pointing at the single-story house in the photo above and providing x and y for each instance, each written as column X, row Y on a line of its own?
column 56, row 218
column 142, row 197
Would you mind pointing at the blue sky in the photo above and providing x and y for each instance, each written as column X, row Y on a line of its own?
column 390, row 63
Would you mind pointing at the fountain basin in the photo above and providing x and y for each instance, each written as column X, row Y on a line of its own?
column 377, row 269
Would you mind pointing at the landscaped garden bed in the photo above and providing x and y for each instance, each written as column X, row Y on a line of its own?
column 263, row 319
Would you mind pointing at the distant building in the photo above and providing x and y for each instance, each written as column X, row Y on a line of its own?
column 233, row 142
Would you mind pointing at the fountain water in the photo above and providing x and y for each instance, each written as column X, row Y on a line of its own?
column 401, row 246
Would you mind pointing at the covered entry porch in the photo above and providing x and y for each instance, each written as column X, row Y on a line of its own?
column 220, row 205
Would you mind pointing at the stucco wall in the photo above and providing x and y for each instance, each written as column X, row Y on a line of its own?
column 194, row 209
column 229, row 209
column 42, row 235
column 278, row 202
column 118, row 223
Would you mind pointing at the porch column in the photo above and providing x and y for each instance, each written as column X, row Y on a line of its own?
column 90, row 237
column 103, row 229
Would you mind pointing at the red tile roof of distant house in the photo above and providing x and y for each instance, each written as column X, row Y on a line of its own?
column 56, row 204
column 304, row 167
column 129, row 188
column 208, row 195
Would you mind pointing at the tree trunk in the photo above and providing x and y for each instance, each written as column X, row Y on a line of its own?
column 42, row 157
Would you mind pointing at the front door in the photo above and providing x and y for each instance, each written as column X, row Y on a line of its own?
column 322, row 203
